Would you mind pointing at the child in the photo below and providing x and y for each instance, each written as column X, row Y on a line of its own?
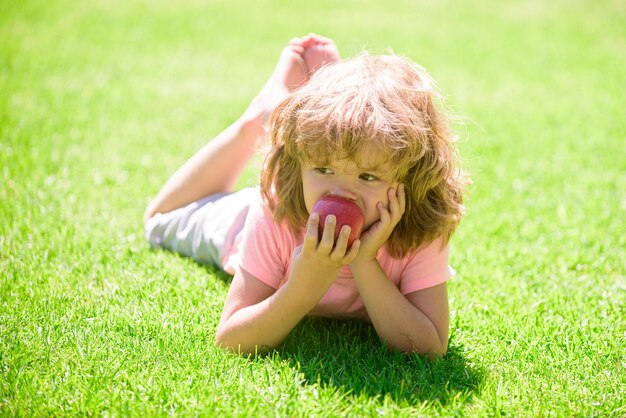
column 364, row 129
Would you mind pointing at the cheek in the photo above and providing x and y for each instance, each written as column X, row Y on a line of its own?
column 309, row 192
column 383, row 194
column 372, row 214
column 373, row 195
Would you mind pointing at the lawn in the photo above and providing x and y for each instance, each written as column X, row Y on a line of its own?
column 100, row 101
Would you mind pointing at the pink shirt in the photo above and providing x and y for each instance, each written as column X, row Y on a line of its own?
column 264, row 249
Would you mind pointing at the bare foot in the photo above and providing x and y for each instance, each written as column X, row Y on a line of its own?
column 290, row 73
column 318, row 51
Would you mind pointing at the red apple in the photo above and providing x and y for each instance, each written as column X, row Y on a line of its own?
column 346, row 212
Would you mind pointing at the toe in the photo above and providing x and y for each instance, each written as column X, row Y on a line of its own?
column 298, row 49
column 323, row 40
column 296, row 41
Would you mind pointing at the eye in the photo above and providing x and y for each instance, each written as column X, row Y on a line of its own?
column 324, row 170
column 368, row 177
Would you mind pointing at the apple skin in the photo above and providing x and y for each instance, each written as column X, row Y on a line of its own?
column 346, row 212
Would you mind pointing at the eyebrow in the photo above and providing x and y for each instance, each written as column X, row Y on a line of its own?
column 373, row 169
column 378, row 170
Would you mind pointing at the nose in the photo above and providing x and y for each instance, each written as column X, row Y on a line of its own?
column 344, row 188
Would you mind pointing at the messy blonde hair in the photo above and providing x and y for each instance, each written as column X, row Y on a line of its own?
column 386, row 102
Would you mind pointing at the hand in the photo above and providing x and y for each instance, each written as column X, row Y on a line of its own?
column 318, row 263
column 377, row 234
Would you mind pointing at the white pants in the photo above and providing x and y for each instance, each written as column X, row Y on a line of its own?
column 205, row 230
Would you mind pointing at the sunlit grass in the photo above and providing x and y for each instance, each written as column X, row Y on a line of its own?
column 101, row 101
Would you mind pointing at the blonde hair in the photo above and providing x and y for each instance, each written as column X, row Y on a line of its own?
column 382, row 101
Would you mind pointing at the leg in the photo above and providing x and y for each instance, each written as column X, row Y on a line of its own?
column 216, row 167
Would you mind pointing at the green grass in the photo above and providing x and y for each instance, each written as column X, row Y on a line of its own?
column 100, row 101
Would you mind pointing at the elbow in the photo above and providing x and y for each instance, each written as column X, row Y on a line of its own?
column 224, row 345
column 440, row 348
column 221, row 341
column 437, row 348
column 438, row 351
column 430, row 354
column 432, row 351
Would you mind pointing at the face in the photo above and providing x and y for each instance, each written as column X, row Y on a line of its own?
column 366, row 183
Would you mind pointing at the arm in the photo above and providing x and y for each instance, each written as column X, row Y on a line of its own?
column 256, row 317
column 417, row 322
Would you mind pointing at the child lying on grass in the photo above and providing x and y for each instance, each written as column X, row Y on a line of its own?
column 365, row 129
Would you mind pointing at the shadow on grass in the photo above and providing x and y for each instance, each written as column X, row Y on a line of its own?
column 349, row 356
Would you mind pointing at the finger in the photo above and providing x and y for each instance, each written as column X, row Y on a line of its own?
column 352, row 252
column 310, row 237
column 328, row 236
column 342, row 244
column 385, row 217
column 402, row 198
column 394, row 204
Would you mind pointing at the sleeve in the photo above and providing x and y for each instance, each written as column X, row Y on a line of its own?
column 426, row 267
column 261, row 247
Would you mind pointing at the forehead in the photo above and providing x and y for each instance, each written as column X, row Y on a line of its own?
column 371, row 158
column 367, row 158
